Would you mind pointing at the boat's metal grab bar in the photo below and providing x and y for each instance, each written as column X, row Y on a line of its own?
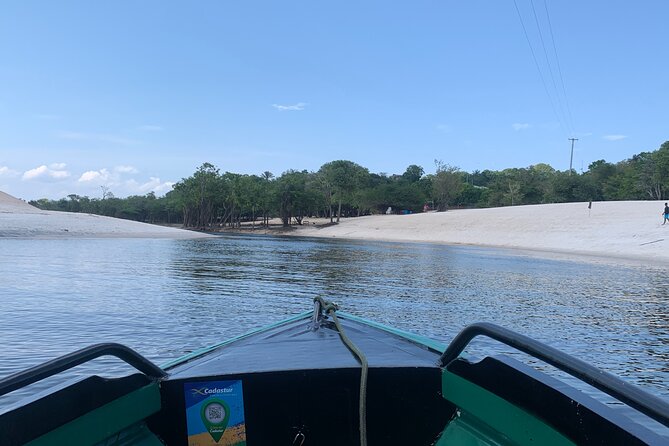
column 627, row 393
column 50, row 368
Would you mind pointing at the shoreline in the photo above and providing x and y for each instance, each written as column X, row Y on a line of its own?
column 629, row 232
column 560, row 255
column 27, row 224
column 53, row 225
column 20, row 220
column 555, row 254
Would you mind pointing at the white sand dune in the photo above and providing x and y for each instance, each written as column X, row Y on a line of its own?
column 10, row 204
column 21, row 220
column 614, row 229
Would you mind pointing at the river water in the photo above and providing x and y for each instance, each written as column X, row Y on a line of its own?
column 165, row 298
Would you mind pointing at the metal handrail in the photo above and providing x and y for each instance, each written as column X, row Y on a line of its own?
column 628, row 393
column 50, row 368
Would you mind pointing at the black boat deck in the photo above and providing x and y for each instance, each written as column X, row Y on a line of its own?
column 301, row 381
column 297, row 346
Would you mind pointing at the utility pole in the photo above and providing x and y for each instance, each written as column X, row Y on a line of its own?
column 571, row 159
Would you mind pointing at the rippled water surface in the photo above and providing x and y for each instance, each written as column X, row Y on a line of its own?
column 165, row 298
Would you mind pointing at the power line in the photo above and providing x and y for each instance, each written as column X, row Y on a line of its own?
column 550, row 69
column 557, row 59
column 536, row 63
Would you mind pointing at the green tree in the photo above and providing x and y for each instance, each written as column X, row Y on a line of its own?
column 296, row 196
column 413, row 174
column 266, row 194
column 340, row 179
column 198, row 196
column 447, row 184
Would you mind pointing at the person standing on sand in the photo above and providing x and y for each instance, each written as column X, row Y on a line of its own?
column 666, row 213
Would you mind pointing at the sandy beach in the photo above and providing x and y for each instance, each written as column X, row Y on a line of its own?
column 616, row 229
column 21, row 220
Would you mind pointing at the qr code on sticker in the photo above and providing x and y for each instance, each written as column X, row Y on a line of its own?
column 215, row 413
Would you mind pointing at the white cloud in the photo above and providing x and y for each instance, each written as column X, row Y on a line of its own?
column 55, row 172
column 95, row 176
column 297, row 107
column 89, row 175
column 520, row 126
column 112, row 179
column 7, row 172
column 59, row 174
column 157, row 186
column 150, row 128
column 153, row 185
column 35, row 173
column 614, row 137
column 126, row 169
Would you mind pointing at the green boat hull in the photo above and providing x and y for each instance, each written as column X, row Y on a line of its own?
column 295, row 382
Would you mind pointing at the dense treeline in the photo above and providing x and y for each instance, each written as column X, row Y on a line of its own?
column 343, row 188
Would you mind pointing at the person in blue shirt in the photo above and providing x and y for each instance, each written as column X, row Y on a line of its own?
column 666, row 213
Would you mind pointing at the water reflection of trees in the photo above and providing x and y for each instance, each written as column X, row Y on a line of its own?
column 395, row 270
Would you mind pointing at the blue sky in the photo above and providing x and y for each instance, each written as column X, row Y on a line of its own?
column 136, row 95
